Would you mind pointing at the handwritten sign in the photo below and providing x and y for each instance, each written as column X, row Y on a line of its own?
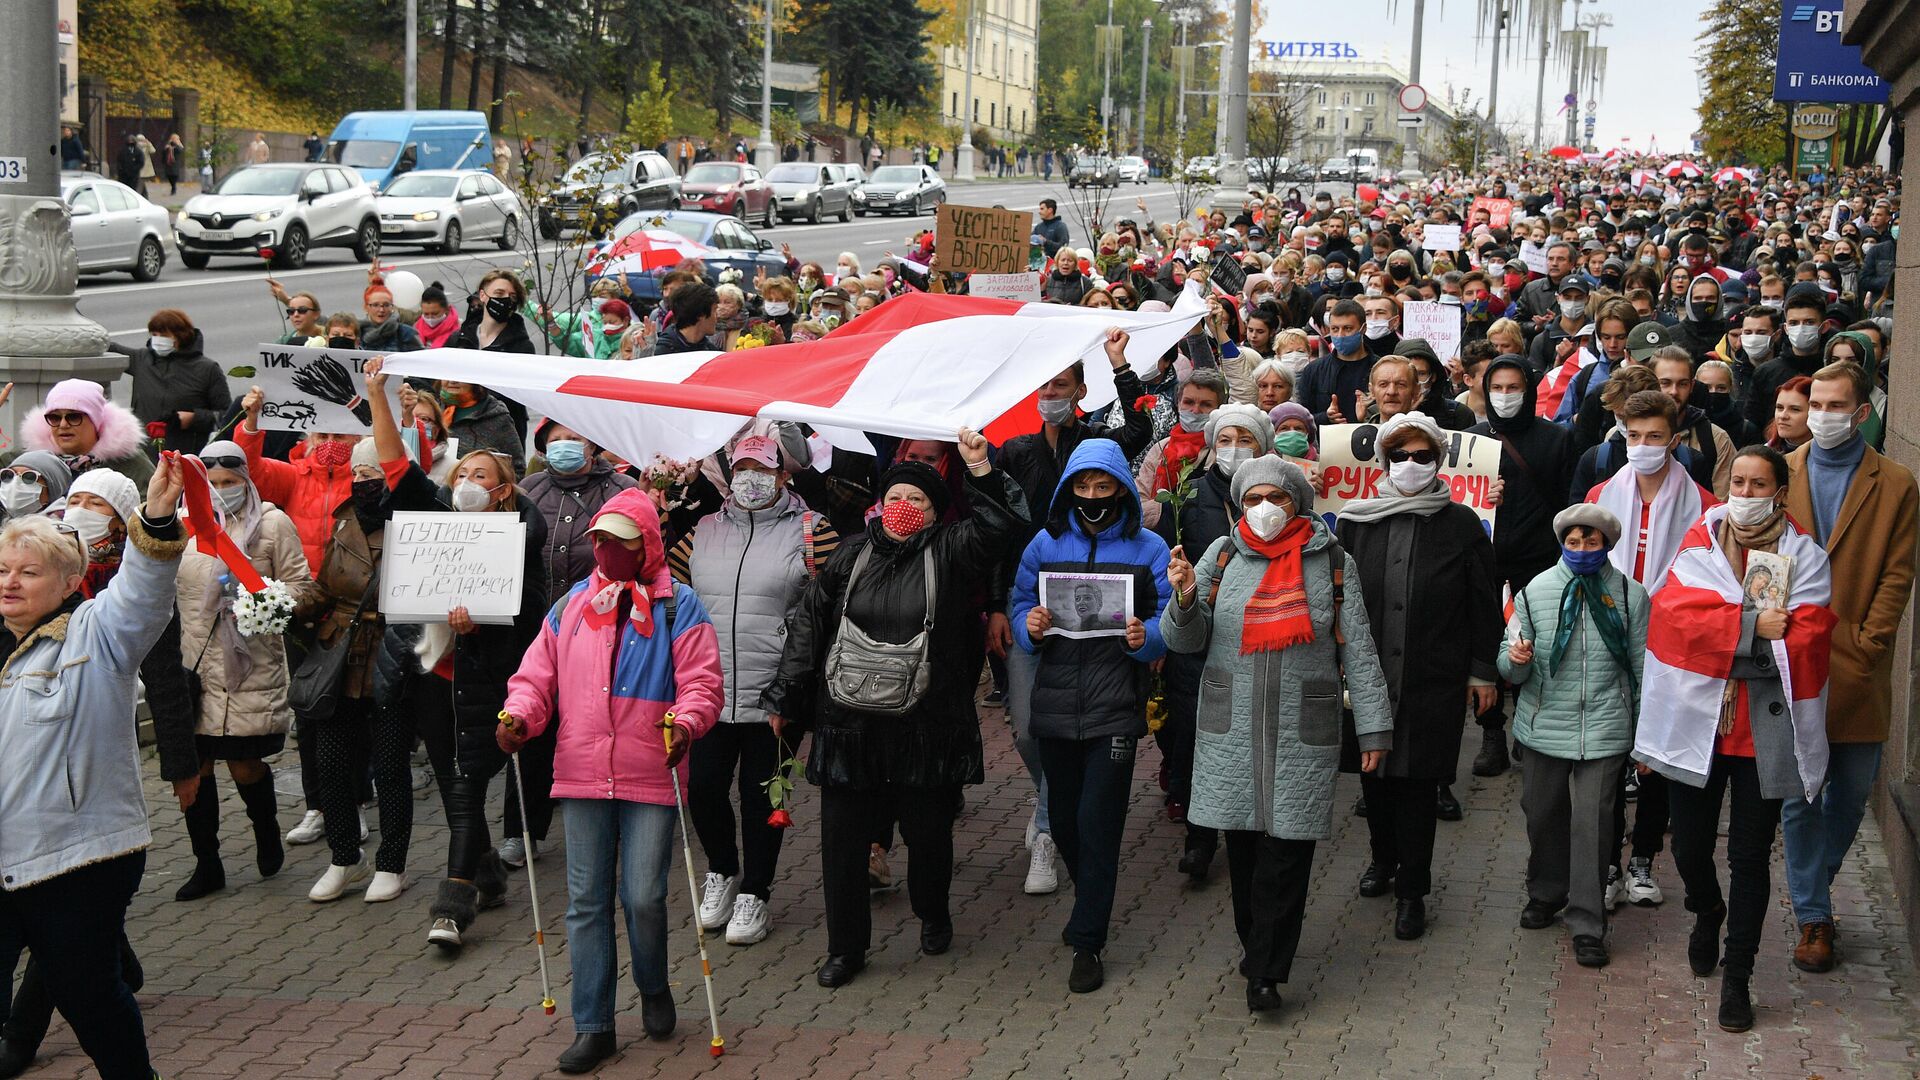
column 1535, row 260
column 435, row 562
column 1440, row 238
column 1499, row 211
column 1438, row 323
column 310, row 389
column 982, row 239
column 1469, row 464
column 1022, row 286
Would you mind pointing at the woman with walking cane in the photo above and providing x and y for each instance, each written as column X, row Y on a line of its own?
column 621, row 651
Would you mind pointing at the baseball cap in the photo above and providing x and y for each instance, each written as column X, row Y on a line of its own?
column 616, row 525
column 1646, row 339
column 758, row 448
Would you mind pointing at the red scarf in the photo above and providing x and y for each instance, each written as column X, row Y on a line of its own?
column 1182, row 446
column 1277, row 616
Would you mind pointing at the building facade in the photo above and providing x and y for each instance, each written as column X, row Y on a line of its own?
column 1347, row 102
column 1005, row 70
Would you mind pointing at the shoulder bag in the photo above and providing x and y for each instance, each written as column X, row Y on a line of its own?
column 876, row 676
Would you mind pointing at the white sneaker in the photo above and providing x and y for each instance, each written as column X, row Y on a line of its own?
column 1041, row 876
column 1615, row 892
column 749, row 922
column 311, row 828
column 1642, row 890
column 334, row 883
column 386, row 887
column 716, row 900
column 513, row 852
column 363, row 826
column 445, row 933
column 1033, row 827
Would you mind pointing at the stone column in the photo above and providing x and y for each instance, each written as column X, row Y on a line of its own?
column 43, row 336
column 186, row 121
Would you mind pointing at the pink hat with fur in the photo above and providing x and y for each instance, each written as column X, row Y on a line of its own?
column 79, row 395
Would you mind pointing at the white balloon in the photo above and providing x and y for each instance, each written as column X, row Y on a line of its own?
column 406, row 288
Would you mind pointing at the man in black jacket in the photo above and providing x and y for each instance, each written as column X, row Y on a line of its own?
column 1540, row 299
column 1050, row 229
column 1804, row 355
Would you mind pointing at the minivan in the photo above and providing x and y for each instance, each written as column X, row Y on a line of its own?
column 382, row 145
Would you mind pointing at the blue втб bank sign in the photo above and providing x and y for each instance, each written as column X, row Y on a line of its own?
column 1815, row 65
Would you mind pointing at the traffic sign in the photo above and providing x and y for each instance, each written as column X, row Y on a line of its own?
column 1413, row 98
column 1412, row 120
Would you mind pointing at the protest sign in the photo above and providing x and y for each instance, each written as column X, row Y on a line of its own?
column 435, row 562
column 1535, row 260
column 310, row 389
column 982, row 239
column 1437, row 322
column 1499, row 211
column 1440, row 238
column 1469, row 464
column 1021, row 286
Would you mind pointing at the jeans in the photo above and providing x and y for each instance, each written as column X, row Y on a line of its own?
column 1270, row 878
column 1401, row 819
column 1751, row 822
column 1818, row 834
column 74, row 924
column 753, row 751
column 849, row 818
column 1022, row 666
column 465, row 762
column 1569, row 805
column 1088, row 781
column 628, row 846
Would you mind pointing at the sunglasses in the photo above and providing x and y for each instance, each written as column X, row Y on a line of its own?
column 65, row 419
column 301, row 310
column 1424, row 457
column 1278, row 498
column 21, row 476
column 225, row 461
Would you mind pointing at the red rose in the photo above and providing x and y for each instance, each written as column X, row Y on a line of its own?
column 157, row 429
column 1145, row 403
column 779, row 819
column 266, row 253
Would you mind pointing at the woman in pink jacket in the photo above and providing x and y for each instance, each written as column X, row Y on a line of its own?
column 619, row 653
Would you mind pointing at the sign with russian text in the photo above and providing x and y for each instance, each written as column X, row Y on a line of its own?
column 1307, row 50
column 982, row 239
column 309, row 389
column 1021, row 286
column 1815, row 64
column 435, row 562
column 1437, row 323
column 1469, row 464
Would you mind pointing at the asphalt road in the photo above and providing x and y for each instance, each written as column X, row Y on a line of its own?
column 230, row 303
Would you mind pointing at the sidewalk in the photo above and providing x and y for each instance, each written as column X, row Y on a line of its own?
column 258, row 982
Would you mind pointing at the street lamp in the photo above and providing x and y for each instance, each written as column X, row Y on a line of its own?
column 1146, row 49
column 963, row 154
column 764, row 152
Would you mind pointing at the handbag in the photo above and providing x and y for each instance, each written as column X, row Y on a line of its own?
column 879, row 676
column 315, row 686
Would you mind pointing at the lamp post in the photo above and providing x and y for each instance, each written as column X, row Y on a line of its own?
column 1146, row 49
column 764, row 152
column 963, row 154
column 410, row 94
column 1106, row 82
column 1233, row 159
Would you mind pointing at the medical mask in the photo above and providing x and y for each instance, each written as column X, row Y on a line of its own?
column 1584, row 562
column 1830, row 429
column 1647, row 260
column 469, row 497
column 19, row 498
column 1573, row 309
column 1750, row 510
column 1630, row 240
column 1283, row 281
column 410, row 438
column 1293, row 361
column 1498, row 270
column 847, row 271
column 1374, row 292
column 1191, row 420
column 500, row 307
column 1266, row 520
column 1647, row 460
column 433, row 320
column 1411, row 477
column 1290, row 443
column 1229, row 458
column 566, row 455
column 231, row 498
column 1378, row 328
column 1507, row 404
column 1261, row 298
column 92, row 525
column 1336, row 273
column 1056, row 410
column 754, row 489
column 1804, row 337
column 1777, row 303
column 1756, row 346
column 161, row 345
column 777, row 308
column 1347, row 344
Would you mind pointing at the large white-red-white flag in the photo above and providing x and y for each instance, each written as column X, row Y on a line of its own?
column 920, row 366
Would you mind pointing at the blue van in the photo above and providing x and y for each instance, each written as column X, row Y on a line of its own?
column 382, row 145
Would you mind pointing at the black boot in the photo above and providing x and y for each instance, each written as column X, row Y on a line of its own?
column 453, row 910
column 1492, row 759
column 1263, row 995
column 1703, row 944
column 1736, row 1007
column 490, row 881
column 14, row 1059
column 657, row 1016
column 1409, row 918
column 589, row 1048
column 263, row 808
column 203, row 828
column 1196, row 860
column 1445, row 806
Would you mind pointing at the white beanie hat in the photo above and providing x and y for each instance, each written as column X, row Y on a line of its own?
column 119, row 492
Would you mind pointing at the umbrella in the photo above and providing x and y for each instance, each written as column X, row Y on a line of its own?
column 1679, row 167
column 1643, row 178
column 1727, row 174
column 1565, row 153
column 646, row 250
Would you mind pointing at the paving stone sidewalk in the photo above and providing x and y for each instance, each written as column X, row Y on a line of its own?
column 258, row 982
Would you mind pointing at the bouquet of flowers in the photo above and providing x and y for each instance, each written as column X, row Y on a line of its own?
column 754, row 337
column 265, row 612
column 730, row 276
column 668, row 480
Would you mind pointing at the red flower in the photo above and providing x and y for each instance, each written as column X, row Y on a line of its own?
column 779, row 819
column 266, row 253
column 1145, row 403
column 157, row 429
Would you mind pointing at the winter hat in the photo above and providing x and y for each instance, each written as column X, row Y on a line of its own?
column 922, row 476
column 58, row 476
column 79, row 395
column 1248, row 418
column 1593, row 516
column 365, row 453
column 1280, row 472
column 119, row 492
column 221, row 448
column 1293, row 410
column 1418, row 421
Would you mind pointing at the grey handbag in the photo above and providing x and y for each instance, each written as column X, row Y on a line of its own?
column 878, row 676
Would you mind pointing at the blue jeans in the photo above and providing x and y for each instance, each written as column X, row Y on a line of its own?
column 1021, row 668
column 640, row 837
column 1819, row 833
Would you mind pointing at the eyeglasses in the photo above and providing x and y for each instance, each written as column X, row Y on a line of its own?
column 65, row 419
column 1277, row 498
column 225, row 461
column 301, row 310
column 1424, row 457
column 22, row 476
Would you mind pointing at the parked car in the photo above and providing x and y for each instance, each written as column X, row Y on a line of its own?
column 445, row 208
column 805, row 189
column 1094, row 171
column 908, row 189
column 1202, row 168
column 729, row 187
column 383, row 145
column 1132, row 169
column 601, row 189
column 1336, row 168
column 113, row 227
column 289, row 209
column 737, row 247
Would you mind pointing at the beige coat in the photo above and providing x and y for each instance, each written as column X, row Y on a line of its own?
column 259, row 705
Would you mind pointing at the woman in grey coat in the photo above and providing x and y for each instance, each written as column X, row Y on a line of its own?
column 1265, row 605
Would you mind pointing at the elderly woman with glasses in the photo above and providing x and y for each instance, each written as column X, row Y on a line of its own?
column 78, row 425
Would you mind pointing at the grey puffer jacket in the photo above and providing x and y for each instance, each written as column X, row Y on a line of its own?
column 749, row 567
column 568, row 504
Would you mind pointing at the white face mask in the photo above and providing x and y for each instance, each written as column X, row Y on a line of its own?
column 469, row 497
column 1374, row 292
column 1507, row 405
column 1411, row 477
column 92, row 525
column 1777, row 303
column 1573, row 309
column 1750, row 510
column 1261, row 298
column 1229, row 458
column 754, row 489
column 1497, row 269
column 1378, row 328
column 1804, row 337
column 19, row 498
column 1756, row 346
column 232, row 498
column 1647, row 260
column 1055, row 410
column 777, row 308
column 1293, row 361
column 434, row 320
column 161, row 344
column 1266, row 520
column 1830, row 429
column 1647, row 460
column 1336, row 273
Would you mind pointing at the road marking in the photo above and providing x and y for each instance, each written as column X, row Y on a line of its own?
column 288, row 275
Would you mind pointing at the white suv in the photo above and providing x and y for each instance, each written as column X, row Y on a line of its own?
column 288, row 209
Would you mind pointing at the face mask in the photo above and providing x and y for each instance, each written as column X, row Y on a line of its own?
column 1497, row 270
column 469, row 497
column 1584, row 562
column 777, row 308
column 160, row 345
column 1803, row 337
column 1750, row 510
column 1830, row 429
column 1647, row 460
column 1400, row 271
column 367, row 497
column 1283, row 281
column 616, row 563
column 612, row 331
column 1630, row 241
column 1261, row 298
column 1411, row 476
column 20, row 498
column 566, row 455
column 754, row 489
column 340, row 341
column 1266, row 520
column 847, row 271
column 410, row 438
column 499, row 307
column 1056, row 410
column 1378, row 328
column 1374, row 292
column 902, row 518
column 1843, row 256
column 1475, row 309
column 1506, row 405
column 1777, row 303
column 1192, row 421
column 332, row 455
column 1756, row 346
column 1097, row 512
column 1229, row 458
column 1647, row 260
column 1293, row 361
column 232, row 498
column 92, row 525
column 1336, row 273
column 1347, row 344
column 434, row 320
column 1573, row 309
column 1291, row 443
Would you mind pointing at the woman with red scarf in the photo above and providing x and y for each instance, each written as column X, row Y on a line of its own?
column 1200, row 393
column 1267, row 608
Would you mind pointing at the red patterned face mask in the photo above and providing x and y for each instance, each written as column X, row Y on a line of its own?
column 332, row 455
column 902, row 518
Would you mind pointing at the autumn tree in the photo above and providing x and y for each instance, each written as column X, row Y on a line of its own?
column 1739, row 44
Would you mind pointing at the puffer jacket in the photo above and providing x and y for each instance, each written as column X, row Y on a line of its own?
column 184, row 380
column 938, row 743
column 71, row 795
column 608, row 713
column 305, row 490
column 258, row 705
column 1590, row 707
column 1267, row 743
column 1092, row 688
column 749, row 567
column 488, row 425
column 567, row 505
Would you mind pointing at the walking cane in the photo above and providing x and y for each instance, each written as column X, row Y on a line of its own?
column 686, row 850
column 533, row 891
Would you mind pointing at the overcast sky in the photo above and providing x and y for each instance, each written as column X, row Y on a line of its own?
column 1639, row 99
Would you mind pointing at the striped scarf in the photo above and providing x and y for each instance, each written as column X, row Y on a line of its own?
column 1277, row 616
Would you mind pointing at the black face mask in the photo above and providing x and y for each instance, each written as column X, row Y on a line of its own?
column 340, row 341
column 1716, row 402
column 1097, row 513
column 1400, row 271
column 500, row 307
column 367, row 497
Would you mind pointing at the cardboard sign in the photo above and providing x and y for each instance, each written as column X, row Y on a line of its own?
column 1535, row 260
column 1499, row 211
column 1022, row 286
column 982, row 239
column 1440, row 238
column 1437, row 322
column 435, row 562
column 311, row 389
column 1469, row 464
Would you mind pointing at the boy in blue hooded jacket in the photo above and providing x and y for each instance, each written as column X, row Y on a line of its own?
column 1089, row 696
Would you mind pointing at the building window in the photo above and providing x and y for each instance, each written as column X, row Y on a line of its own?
column 1368, row 129
column 1369, row 97
column 955, row 111
column 1346, row 123
column 992, row 120
column 1346, row 98
column 996, row 58
column 1323, row 97
column 1319, row 123
column 976, row 110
